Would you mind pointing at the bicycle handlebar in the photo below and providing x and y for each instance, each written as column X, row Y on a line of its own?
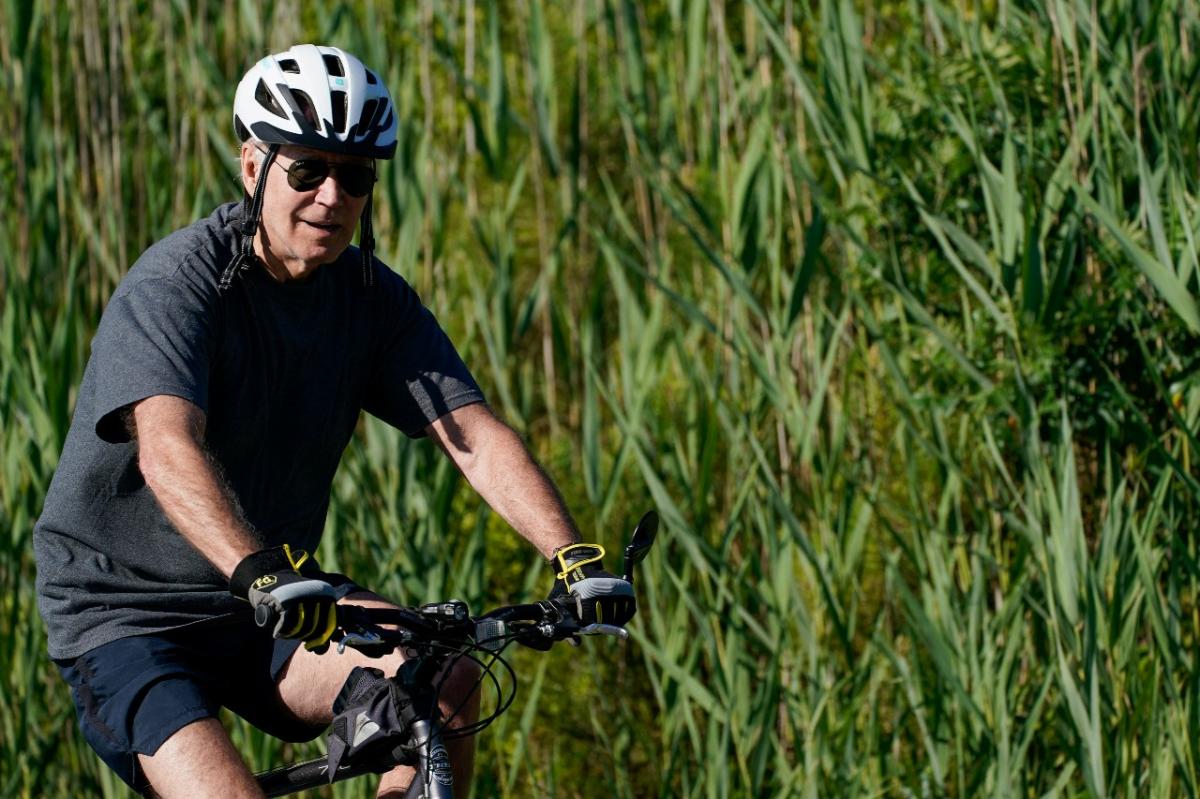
column 359, row 626
column 551, row 618
column 449, row 623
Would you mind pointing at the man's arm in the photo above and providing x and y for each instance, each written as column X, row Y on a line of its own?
column 190, row 490
column 498, row 465
column 186, row 483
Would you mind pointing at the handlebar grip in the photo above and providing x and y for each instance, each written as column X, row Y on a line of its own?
column 265, row 616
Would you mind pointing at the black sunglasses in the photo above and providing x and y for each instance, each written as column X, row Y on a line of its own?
column 309, row 173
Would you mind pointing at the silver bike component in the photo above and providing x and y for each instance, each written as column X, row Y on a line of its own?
column 357, row 639
column 605, row 629
column 451, row 609
column 434, row 779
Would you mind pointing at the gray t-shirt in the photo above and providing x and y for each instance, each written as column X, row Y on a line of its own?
column 281, row 371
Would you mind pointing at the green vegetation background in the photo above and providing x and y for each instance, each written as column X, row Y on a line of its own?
column 888, row 307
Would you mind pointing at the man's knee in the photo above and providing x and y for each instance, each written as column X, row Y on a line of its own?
column 308, row 683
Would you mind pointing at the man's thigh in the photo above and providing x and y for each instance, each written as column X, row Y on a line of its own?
column 133, row 694
column 199, row 760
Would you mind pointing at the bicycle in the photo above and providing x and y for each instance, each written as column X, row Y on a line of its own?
column 434, row 636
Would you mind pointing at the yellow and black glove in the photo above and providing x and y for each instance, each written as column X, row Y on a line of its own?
column 600, row 597
column 286, row 587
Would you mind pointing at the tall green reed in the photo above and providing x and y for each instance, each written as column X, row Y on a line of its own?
column 885, row 307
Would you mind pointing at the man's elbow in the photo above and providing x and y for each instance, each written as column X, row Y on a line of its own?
column 158, row 460
column 169, row 434
column 470, row 435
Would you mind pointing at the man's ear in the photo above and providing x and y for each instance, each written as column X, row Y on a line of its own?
column 249, row 168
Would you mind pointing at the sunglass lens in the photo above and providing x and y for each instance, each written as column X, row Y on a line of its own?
column 355, row 179
column 307, row 175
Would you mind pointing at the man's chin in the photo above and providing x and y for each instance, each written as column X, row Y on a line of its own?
column 307, row 265
column 322, row 254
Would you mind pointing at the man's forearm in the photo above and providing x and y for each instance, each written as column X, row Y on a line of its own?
column 517, row 488
column 498, row 465
column 188, row 486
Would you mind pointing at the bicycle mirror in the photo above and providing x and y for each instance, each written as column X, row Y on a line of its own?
column 639, row 545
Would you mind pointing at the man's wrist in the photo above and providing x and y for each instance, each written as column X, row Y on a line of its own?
column 255, row 565
column 580, row 560
column 554, row 552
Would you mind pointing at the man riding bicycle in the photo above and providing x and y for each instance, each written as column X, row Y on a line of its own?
column 226, row 377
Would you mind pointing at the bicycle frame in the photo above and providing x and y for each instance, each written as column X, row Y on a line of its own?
column 433, row 778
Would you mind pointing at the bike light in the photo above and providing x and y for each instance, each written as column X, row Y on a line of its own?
column 453, row 609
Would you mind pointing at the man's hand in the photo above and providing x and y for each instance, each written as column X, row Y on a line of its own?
column 600, row 597
column 303, row 604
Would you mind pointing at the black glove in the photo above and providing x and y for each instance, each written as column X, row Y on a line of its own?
column 372, row 724
column 289, row 587
column 600, row 597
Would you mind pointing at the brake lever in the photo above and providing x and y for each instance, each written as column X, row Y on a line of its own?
column 597, row 629
column 358, row 638
column 605, row 629
column 369, row 642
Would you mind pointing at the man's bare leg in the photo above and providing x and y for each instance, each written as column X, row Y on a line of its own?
column 199, row 760
column 309, row 683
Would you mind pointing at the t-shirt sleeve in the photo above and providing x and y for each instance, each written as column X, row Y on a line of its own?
column 420, row 376
column 154, row 339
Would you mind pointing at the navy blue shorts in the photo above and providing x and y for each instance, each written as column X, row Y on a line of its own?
column 134, row 693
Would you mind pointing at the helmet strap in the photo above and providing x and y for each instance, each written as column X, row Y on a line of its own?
column 249, row 225
column 366, row 245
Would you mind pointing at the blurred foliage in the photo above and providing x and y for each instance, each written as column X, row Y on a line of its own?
column 888, row 307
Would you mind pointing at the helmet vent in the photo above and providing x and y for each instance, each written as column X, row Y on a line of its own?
column 371, row 79
column 334, row 65
column 383, row 104
column 307, row 108
column 339, row 111
column 289, row 65
column 267, row 100
column 364, row 122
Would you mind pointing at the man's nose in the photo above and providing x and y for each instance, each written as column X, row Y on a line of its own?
column 330, row 192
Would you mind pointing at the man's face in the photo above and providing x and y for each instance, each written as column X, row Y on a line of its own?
column 301, row 230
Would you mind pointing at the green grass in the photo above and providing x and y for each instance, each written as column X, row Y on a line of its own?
column 887, row 307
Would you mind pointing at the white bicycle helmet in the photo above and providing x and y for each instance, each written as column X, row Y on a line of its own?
column 320, row 97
